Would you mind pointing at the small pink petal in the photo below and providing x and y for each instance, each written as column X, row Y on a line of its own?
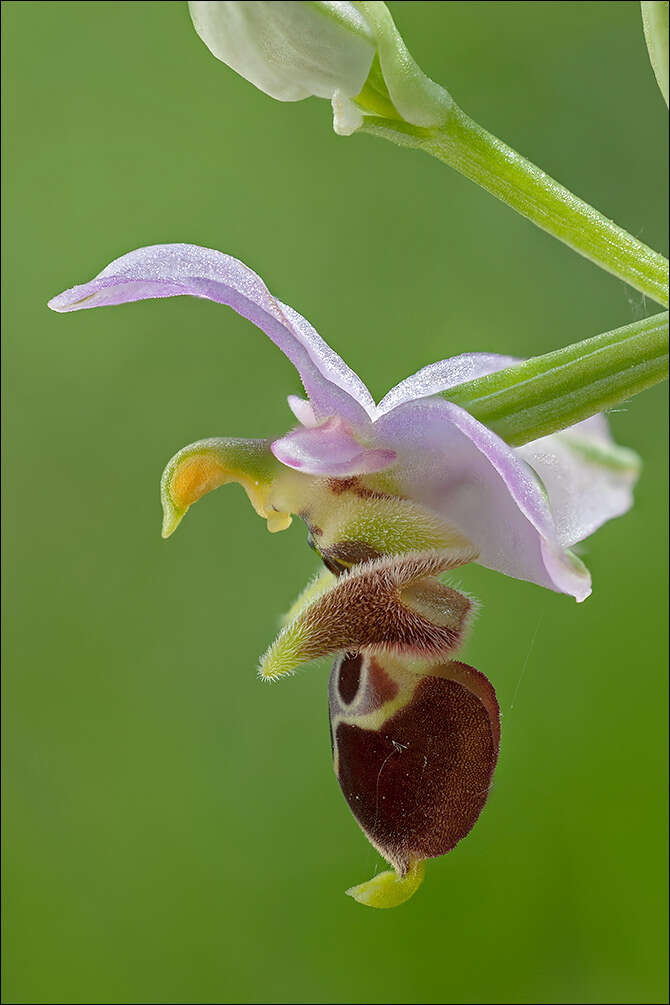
column 329, row 450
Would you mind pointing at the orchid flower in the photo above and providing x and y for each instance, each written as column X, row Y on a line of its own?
column 393, row 495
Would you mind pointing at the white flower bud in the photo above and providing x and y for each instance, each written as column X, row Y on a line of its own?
column 327, row 50
column 290, row 50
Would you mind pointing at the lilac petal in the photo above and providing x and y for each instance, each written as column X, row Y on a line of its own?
column 440, row 376
column 454, row 464
column 331, row 450
column 588, row 478
column 168, row 270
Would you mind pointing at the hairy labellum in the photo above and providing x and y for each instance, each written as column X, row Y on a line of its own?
column 414, row 735
column 414, row 756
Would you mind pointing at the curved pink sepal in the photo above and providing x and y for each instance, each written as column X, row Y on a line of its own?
column 170, row 270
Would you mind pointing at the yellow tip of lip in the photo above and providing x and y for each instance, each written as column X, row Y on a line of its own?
column 388, row 889
column 275, row 521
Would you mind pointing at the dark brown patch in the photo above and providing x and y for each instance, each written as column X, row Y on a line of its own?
column 418, row 784
column 477, row 682
column 348, row 553
column 335, row 567
column 379, row 687
column 349, row 678
column 340, row 485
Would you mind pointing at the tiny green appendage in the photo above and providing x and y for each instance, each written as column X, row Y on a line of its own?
column 389, row 889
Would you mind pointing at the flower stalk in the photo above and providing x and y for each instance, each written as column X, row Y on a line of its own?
column 551, row 392
column 483, row 158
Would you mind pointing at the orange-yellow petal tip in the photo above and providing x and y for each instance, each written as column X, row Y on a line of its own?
column 207, row 464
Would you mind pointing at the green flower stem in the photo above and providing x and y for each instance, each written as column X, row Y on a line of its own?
column 480, row 156
column 551, row 392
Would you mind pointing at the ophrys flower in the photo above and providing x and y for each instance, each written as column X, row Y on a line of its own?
column 393, row 494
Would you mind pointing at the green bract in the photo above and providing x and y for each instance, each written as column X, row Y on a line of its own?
column 655, row 21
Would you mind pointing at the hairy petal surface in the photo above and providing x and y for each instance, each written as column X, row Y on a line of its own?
column 392, row 604
column 168, row 270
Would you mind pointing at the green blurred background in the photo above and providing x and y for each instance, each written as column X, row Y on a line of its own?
column 174, row 832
